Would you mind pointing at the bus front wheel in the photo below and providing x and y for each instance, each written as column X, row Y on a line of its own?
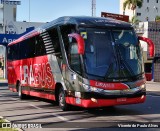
column 62, row 101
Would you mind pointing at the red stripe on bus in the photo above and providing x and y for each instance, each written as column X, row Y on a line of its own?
column 22, row 38
column 42, row 95
column 108, row 86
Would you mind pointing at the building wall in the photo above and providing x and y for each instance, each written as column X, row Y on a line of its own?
column 157, row 70
column 20, row 27
column 151, row 30
column 127, row 11
column 148, row 12
column 9, row 13
column 2, row 61
column 1, row 14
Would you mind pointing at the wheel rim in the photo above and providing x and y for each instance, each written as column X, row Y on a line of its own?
column 19, row 91
column 61, row 99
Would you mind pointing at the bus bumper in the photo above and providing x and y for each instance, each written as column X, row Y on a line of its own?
column 92, row 103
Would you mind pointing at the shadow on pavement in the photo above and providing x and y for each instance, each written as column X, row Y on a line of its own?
column 3, row 84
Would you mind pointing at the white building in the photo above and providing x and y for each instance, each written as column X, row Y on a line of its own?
column 148, row 12
column 10, row 29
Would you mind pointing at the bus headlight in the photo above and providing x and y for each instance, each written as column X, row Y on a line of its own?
column 143, row 86
column 95, row 89
column 86, row 87
column 91, row 89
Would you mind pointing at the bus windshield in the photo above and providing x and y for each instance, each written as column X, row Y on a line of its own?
column 112, row 53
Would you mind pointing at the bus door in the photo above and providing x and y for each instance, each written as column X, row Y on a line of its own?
column 71, row 62
column 75, row 69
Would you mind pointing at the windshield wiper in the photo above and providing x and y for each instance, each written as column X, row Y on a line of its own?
column 122, row 63
column 113, row 67
column 122, row 69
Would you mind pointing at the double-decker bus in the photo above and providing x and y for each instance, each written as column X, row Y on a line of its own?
column 82, row 61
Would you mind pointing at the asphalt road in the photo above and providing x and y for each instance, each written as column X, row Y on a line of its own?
column 50, row 116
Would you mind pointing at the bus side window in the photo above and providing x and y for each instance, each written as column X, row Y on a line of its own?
column 39, row 46
column 55, row 47
column 31, row 47
column 9, row 56
column 13, row 52
column 65, row 30
column 23, row 52
column 74, row 57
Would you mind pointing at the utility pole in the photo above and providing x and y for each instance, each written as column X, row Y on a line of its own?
column 93, row 7
column 29, row 10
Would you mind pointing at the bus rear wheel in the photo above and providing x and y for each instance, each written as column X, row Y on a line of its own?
column 62, row 100
column 20, row 94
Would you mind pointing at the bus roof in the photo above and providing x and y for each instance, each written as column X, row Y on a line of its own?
column 85, row 21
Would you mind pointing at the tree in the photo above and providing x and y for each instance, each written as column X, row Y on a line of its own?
column 132, row 4
column 157, row 18
column 134, row 20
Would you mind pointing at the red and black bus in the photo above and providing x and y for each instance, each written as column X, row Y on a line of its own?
column 82, row 61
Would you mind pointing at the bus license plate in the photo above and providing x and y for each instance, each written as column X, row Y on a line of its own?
column 121, row 99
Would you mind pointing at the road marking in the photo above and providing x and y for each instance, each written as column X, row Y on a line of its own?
column 35, row 106
column 58, row 116
column 15, row 99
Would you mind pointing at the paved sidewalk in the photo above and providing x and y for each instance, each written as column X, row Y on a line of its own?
column 153, row 86
column 3, row 81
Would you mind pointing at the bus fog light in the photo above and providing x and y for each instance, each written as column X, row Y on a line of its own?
column 142, row 97
column 94, row 100
column 78, row 94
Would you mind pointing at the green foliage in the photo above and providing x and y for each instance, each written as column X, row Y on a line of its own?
column 132, row 4
column 157, row 18
column 134, row 20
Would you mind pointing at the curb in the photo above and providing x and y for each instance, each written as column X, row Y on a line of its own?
column 3, row 80
column 7, row 121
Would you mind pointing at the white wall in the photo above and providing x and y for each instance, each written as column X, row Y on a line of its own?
column 21, row 26
column 150, row 10
column 1, row 14
column 127, row 11
column 8, row 13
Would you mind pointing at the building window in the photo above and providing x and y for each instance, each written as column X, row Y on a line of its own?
column 156, row 8
column 138, row 14
column 147, row 1
column 147, row 9
column 156, row 1
column 147, row 19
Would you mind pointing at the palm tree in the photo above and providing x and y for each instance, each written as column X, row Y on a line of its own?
column 132, row 4
column 134, row 21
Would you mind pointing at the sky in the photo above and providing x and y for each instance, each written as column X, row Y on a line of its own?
column 48, row 10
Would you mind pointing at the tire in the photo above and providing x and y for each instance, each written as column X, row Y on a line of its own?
column 21, row 96
column 62, row 100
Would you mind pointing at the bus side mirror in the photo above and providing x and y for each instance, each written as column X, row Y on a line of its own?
column 80, row 42
column 150, row 45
